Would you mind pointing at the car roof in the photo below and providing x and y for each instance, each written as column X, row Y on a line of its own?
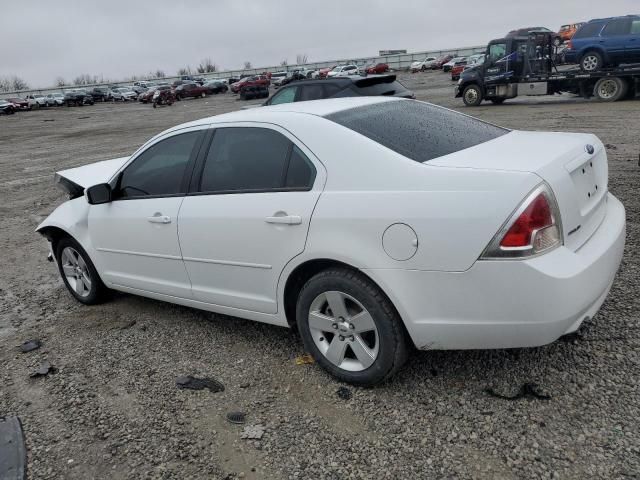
column 319, row 108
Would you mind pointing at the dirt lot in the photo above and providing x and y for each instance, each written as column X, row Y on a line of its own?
column 113, row 410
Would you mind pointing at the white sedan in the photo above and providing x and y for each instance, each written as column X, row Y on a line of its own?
column 344, row 71
column 425, row 64
column 372, row 224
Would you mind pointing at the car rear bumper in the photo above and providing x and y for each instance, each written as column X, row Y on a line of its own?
column 509, row 303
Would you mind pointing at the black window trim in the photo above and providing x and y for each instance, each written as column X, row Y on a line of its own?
column 188, row 172
column 196, row 177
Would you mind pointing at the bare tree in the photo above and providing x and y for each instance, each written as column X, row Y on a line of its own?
column 86, row 79
column 185, row 70
column 13, row 83
column 60, row 82
column 247, row 65
column 159, row 73
column 284, row 63
column 301, row 58
column 207, row 66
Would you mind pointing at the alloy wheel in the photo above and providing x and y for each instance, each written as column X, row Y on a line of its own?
column 76, row 271
column 343, row 331
column 590, row 63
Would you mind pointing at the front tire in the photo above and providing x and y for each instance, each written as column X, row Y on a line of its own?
column 78, row 272
column 350, row 327
column 472, row 95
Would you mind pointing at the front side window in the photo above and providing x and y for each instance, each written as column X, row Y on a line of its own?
column 635, row 27
column 160, row 169
column 287, row 95
column 246, row 159
column 616, row 28
column 497, row 51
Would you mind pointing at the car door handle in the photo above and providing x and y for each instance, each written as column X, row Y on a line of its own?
column 159, row 218
column 285, row 220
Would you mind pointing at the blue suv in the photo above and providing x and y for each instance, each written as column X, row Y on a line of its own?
column 605, row 42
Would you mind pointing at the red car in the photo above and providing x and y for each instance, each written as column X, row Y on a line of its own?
column 192, row 90
column 378, row 68
column 254, row 81
column 323, row 72
column 440, row 61
column 19, row 103
column 457, row 70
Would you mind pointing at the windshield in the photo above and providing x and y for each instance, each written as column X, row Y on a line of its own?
column 336, row 69
column 418, row 130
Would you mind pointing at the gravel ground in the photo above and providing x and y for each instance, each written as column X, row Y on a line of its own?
column 113, row 410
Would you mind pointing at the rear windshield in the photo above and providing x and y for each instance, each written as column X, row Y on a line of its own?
column 383, row 88
column 419, row 131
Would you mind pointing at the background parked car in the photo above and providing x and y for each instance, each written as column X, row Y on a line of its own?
column 249, row 92
column 191, row 90
column 386, row 85
column 457, row 69
column 7, row 107
column 100, row 94
column 378, row 68
column 147, row 96
column 425, row 64
column 446, row 67
column 36, row 100
column 440, row 61
column 277, row 77
column 343, row 71
column 324, row 72
column 566, row 33
column 123, row 94
column 77, row 97
column 250, row 81
column 55, row 99
column 606, row 42
column 216, row 86
column 19, row 103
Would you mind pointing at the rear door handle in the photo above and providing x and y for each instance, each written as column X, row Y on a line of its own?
column 159, row 218
column 285, row 220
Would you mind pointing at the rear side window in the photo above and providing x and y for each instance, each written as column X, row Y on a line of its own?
column 419, row 131
column 311, row 92
column 616, row 27
column 588, row 30
column 286, row 95
column 249, row 159
column 635, row 26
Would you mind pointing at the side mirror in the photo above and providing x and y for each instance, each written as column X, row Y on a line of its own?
column 99, row 194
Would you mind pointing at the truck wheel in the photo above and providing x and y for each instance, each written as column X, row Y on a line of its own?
column 610, row 89
column 472, row 96
column 591, row 62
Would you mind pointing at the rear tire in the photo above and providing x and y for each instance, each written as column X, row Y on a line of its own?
column 472, row 95
column 610, row 89
column 350, row 327
column 78, row 272
column 591, row 62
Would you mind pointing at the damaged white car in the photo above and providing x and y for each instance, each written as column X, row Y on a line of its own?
column 372, row 224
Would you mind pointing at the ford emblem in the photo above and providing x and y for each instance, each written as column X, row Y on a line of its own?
column 590, row 149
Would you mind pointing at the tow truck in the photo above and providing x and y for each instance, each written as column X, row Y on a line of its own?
column 527, row 65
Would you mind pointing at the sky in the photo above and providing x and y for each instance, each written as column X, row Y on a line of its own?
column 116, row 39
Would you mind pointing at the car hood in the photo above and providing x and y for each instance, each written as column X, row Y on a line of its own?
column 75, row 180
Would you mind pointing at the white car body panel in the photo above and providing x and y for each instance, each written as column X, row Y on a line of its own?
column 222, row 255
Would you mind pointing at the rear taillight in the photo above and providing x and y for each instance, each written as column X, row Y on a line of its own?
column 532, row 229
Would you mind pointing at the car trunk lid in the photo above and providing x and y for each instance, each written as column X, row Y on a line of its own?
column 574, row 165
